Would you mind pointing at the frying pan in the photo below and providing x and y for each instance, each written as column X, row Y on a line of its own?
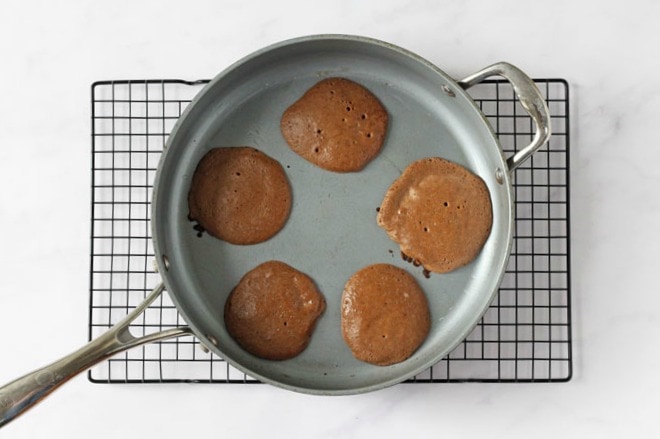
column 332, row 230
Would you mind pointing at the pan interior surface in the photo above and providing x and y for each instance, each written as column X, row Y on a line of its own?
column 332, row 230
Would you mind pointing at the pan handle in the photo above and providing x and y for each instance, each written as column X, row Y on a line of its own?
column 23, row 393
column 530, row 98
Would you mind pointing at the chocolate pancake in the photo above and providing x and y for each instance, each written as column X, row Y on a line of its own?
column 439, row 213
column 385, row 315
column 337, row 124
column 273, row 310
column 239, row 195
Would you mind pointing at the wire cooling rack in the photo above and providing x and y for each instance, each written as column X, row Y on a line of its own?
column 525, row 335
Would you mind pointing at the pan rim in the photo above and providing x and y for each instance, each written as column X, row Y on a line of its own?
column 208, row 341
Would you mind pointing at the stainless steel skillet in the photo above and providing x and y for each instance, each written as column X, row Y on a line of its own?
column 332, row 230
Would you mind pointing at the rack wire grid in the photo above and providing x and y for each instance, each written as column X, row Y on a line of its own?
column 525, row 336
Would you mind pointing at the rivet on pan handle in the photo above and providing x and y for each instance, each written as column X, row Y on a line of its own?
column 23, row 393
column 530, row 98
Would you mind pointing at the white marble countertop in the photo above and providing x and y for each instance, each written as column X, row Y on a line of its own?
column 51, row 52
